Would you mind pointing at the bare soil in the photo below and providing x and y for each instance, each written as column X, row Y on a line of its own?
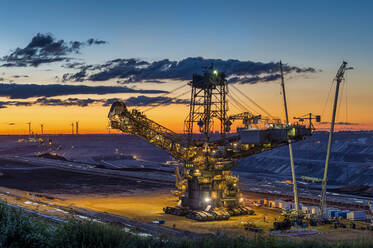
column 53, row 181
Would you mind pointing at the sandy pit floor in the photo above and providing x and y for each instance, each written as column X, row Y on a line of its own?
column 148, row 207
column 133, row 198
column 54, row 182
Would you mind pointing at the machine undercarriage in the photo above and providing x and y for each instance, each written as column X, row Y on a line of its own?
column 210, row 195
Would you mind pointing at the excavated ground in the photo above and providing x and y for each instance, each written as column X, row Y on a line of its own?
column 51, row 181
column 134, row 197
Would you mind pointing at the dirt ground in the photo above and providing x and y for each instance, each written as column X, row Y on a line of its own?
column 148, row 207
column 54, row 182
column 137, row 199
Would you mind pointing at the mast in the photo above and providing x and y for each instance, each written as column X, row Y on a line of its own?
column 289, row 143
column 77, row 127
column 338, row 78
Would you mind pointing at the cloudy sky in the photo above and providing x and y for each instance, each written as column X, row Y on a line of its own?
column 63, row 61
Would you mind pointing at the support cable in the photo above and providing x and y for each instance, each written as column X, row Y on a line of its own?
column 327, row 99
column 168, row 100
column 172, row 91
column 231, row 103
column 234, row 104
column 340, row 105
column 346, row 95
column 245, row 106
column 252, row 101
column 165, row 94
column 240, row 105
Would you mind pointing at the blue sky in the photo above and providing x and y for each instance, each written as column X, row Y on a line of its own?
column 317, row 34
column 309, row 33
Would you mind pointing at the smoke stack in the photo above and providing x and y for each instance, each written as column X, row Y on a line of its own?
column 77, row 127
column 29, row 127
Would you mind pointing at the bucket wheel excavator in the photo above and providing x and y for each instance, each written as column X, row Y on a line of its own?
column 206, row 187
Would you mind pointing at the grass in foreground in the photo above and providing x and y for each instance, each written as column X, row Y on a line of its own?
column 20, row 230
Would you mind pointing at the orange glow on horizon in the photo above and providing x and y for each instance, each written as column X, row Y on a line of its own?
column 93, row 119
column 305, row 95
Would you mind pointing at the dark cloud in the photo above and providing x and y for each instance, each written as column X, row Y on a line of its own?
column 95, row 42
column 134, row 70
column 254, row 79
column 110, row 101
column 23, row 91
column 5, row 104
column 132, row 101
column 44, row 49
column 342, row 123
column 20, row 76
column 68, row 102
column 155, row 81
column 78, row 77
column 147, row 101
column 51, row 102
column 130, row 80
column 74, row 65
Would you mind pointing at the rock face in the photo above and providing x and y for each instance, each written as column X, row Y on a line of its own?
column 351, row 159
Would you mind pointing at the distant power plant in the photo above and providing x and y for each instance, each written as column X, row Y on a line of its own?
column 76, row 128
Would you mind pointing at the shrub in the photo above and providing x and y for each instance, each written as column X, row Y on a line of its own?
column 18, row 230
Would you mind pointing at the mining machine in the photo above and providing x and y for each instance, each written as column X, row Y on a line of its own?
column 309, row 117
column 206, row 187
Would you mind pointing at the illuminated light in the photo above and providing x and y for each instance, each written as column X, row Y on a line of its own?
column 241, row 199
column 207, row 199
column 214, row 195
column 134, row 157
column 215, row 72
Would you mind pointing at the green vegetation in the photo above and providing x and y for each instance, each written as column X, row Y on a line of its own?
column 20, row 230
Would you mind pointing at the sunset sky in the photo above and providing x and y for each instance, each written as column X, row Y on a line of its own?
column 139, row 50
